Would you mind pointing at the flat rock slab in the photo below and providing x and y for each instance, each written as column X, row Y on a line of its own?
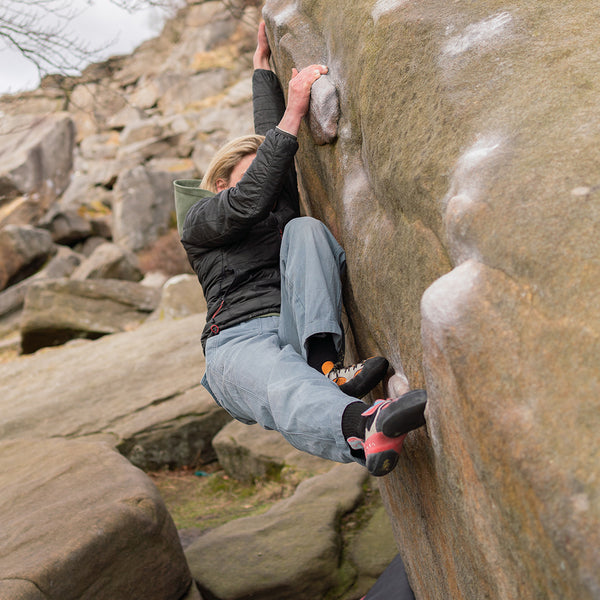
column 58, row 310
column 291, row 551
column 80, row 522
column 138, row 390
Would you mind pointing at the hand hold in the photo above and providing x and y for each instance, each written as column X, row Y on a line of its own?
column 324, row 111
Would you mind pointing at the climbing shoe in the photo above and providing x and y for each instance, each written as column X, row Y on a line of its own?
column 359, row 379
column 386, row 424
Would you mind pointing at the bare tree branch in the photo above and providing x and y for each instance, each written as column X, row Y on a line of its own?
column 39, row 30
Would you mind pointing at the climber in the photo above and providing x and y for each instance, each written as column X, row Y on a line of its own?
column 272, row 281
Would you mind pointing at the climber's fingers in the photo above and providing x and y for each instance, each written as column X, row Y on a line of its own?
column 300, row 86
column 263, row 50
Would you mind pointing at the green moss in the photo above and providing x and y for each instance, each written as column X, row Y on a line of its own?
column 204, row 502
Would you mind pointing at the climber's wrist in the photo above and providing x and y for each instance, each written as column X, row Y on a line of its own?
column 290, row 122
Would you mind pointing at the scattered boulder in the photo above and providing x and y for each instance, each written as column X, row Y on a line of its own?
column 84, row 190
column 109, row 261
column 22, row 210
column 66, row 226
column 249, row 453
column 36, row 155
column 59, row 310
column 291, row 551
column 181, row 297
column 79, row 521
column 62, row 264
column 23, row 250
column 141, row 211
column 140, row 130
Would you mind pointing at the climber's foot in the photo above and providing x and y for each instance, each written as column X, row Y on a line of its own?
column 359, row 379
column 387, row 423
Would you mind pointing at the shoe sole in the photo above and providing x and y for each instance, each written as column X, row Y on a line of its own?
column 405, row 414
column 370, row 375
column 382, row 463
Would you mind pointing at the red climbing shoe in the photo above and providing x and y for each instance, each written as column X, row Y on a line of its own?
column 387, row 423
column 359, row 379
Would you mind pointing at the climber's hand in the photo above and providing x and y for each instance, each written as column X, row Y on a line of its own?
column 299, row 96
column 263, row 51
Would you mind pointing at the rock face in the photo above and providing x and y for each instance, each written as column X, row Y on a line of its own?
column 464, row 187
column 68, row 509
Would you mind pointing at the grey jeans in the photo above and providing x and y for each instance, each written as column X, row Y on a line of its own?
column 257, row 370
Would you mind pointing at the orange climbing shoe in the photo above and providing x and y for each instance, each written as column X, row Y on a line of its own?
column 359, row 379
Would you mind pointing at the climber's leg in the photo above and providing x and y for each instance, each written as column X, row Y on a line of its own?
column 258, row 381
column 312, row 264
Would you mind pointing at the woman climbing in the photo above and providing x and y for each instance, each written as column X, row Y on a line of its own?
column 272, row 281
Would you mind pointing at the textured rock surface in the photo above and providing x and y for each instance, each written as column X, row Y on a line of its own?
column 78, row 521
column 181, row 297
column 466, row 158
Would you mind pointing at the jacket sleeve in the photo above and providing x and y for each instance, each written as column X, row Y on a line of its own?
column 267, row 100
column 220, row 219
column 268, row 105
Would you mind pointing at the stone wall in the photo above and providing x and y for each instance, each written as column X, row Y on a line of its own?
column 463, row 184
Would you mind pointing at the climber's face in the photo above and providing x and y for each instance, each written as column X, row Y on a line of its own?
column 238, row 172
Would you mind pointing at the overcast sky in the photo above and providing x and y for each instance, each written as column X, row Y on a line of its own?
column 99, row 24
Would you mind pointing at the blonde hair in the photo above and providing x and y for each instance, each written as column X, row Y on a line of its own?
column 226, row 159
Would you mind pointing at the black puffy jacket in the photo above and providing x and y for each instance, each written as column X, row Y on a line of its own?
column 233, row 238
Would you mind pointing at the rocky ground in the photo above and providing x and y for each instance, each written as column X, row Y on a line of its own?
column 121, row 478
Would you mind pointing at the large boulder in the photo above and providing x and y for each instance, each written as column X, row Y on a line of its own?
column 79, row 521
column 463, row 185
column 291, row 551
column 140, row 391
column 58, row 310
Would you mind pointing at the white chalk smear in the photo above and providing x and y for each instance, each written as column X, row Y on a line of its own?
column 382, row 7
column 285, row 15
column 477, row 34
column 478, row 152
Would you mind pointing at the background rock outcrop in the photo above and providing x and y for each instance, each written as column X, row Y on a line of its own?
column 464, row 187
